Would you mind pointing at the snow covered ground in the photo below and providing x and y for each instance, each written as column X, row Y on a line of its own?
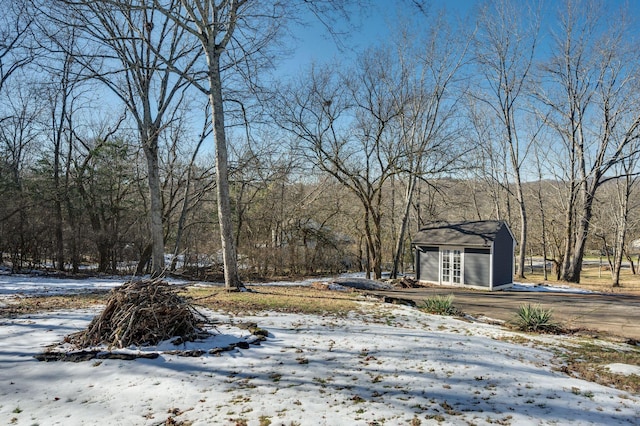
column 391, row 365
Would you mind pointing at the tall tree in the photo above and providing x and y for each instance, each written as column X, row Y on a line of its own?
column 16, row 45
column 134, row 43
column 543, row 220
column 593, row 108
column 61, row 110
column 63, row 98
column 225, row 31
column 237, row 39
column 19, row 110
column 346, row 125
column 505, row 48
column 19, row 139
column 431, row 67
column 625, row 186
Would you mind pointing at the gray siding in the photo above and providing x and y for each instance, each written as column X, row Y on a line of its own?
column 503, row 258
column 477, row 271
column 428, row 263
column 488, row 252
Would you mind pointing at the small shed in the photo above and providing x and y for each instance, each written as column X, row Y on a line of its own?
column 477, row 254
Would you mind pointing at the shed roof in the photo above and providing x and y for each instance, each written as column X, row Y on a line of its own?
column 480, row 233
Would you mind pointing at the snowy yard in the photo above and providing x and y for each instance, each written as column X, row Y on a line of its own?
column 390, row 365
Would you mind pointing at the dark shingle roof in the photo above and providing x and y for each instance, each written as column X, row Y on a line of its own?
column 471, row 233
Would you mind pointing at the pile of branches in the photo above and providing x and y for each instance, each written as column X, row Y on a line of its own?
column 405, row 282
column 142, row 313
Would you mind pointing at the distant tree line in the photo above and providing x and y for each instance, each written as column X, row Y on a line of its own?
column 108, row 110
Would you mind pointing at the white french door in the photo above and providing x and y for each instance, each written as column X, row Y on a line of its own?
column 451, row 266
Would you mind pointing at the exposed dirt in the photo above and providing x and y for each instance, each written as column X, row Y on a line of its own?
column 606, row 315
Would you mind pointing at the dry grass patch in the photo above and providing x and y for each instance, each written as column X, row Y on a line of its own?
column 592, row 278
column 29, row 305
column 293, row 299
column 600, row 280
column 290, row 299
column 588, row 361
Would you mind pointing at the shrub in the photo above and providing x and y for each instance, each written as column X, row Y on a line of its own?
column 535, row 318
column 440, row 305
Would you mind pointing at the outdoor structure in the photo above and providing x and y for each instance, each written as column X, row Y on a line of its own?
column 477, row 254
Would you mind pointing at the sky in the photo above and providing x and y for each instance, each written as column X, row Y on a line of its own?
column 388, row 364
column 377, row 24
column 373, row 26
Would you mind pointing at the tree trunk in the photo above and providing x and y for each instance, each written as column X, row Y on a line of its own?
column 59, row 235
column 568, row 235
column 145, row 258
column 377, row 240
column 403, row 227
column 373, row 243
column 543, row 224
column 523, row 228
column 182, row 219
column 631, row 263
column 572, row 274
column 155, row 196
column 229, row 258
column 75, row 233
column 103, row 246
column 621, row 236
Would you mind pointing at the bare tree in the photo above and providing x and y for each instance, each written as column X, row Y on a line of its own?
column 237, row 39
column 543, row 220
column 189, row 199
column 505, row 48
column 16, row 47
column 625, row 186
column 19, row 137
column 593, row 104
column 61, row 109
column 132, row 43
column 390, row 115
column 228, row 32
column 487, row 166
column 346, row 126
column 63, row 101
column 17, row 108
column 430, row 68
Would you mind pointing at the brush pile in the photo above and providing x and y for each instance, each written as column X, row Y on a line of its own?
column 405, row 282
column 142, row 313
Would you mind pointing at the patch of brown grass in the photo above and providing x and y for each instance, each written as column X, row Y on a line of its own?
column 592, row 278
column 29, row 305
column 588, row 361
column 294, row 299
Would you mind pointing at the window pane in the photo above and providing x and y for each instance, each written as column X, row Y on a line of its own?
column 457, row 267
column 446, row 265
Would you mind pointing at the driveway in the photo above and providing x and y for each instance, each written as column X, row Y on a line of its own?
column 609, row 315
